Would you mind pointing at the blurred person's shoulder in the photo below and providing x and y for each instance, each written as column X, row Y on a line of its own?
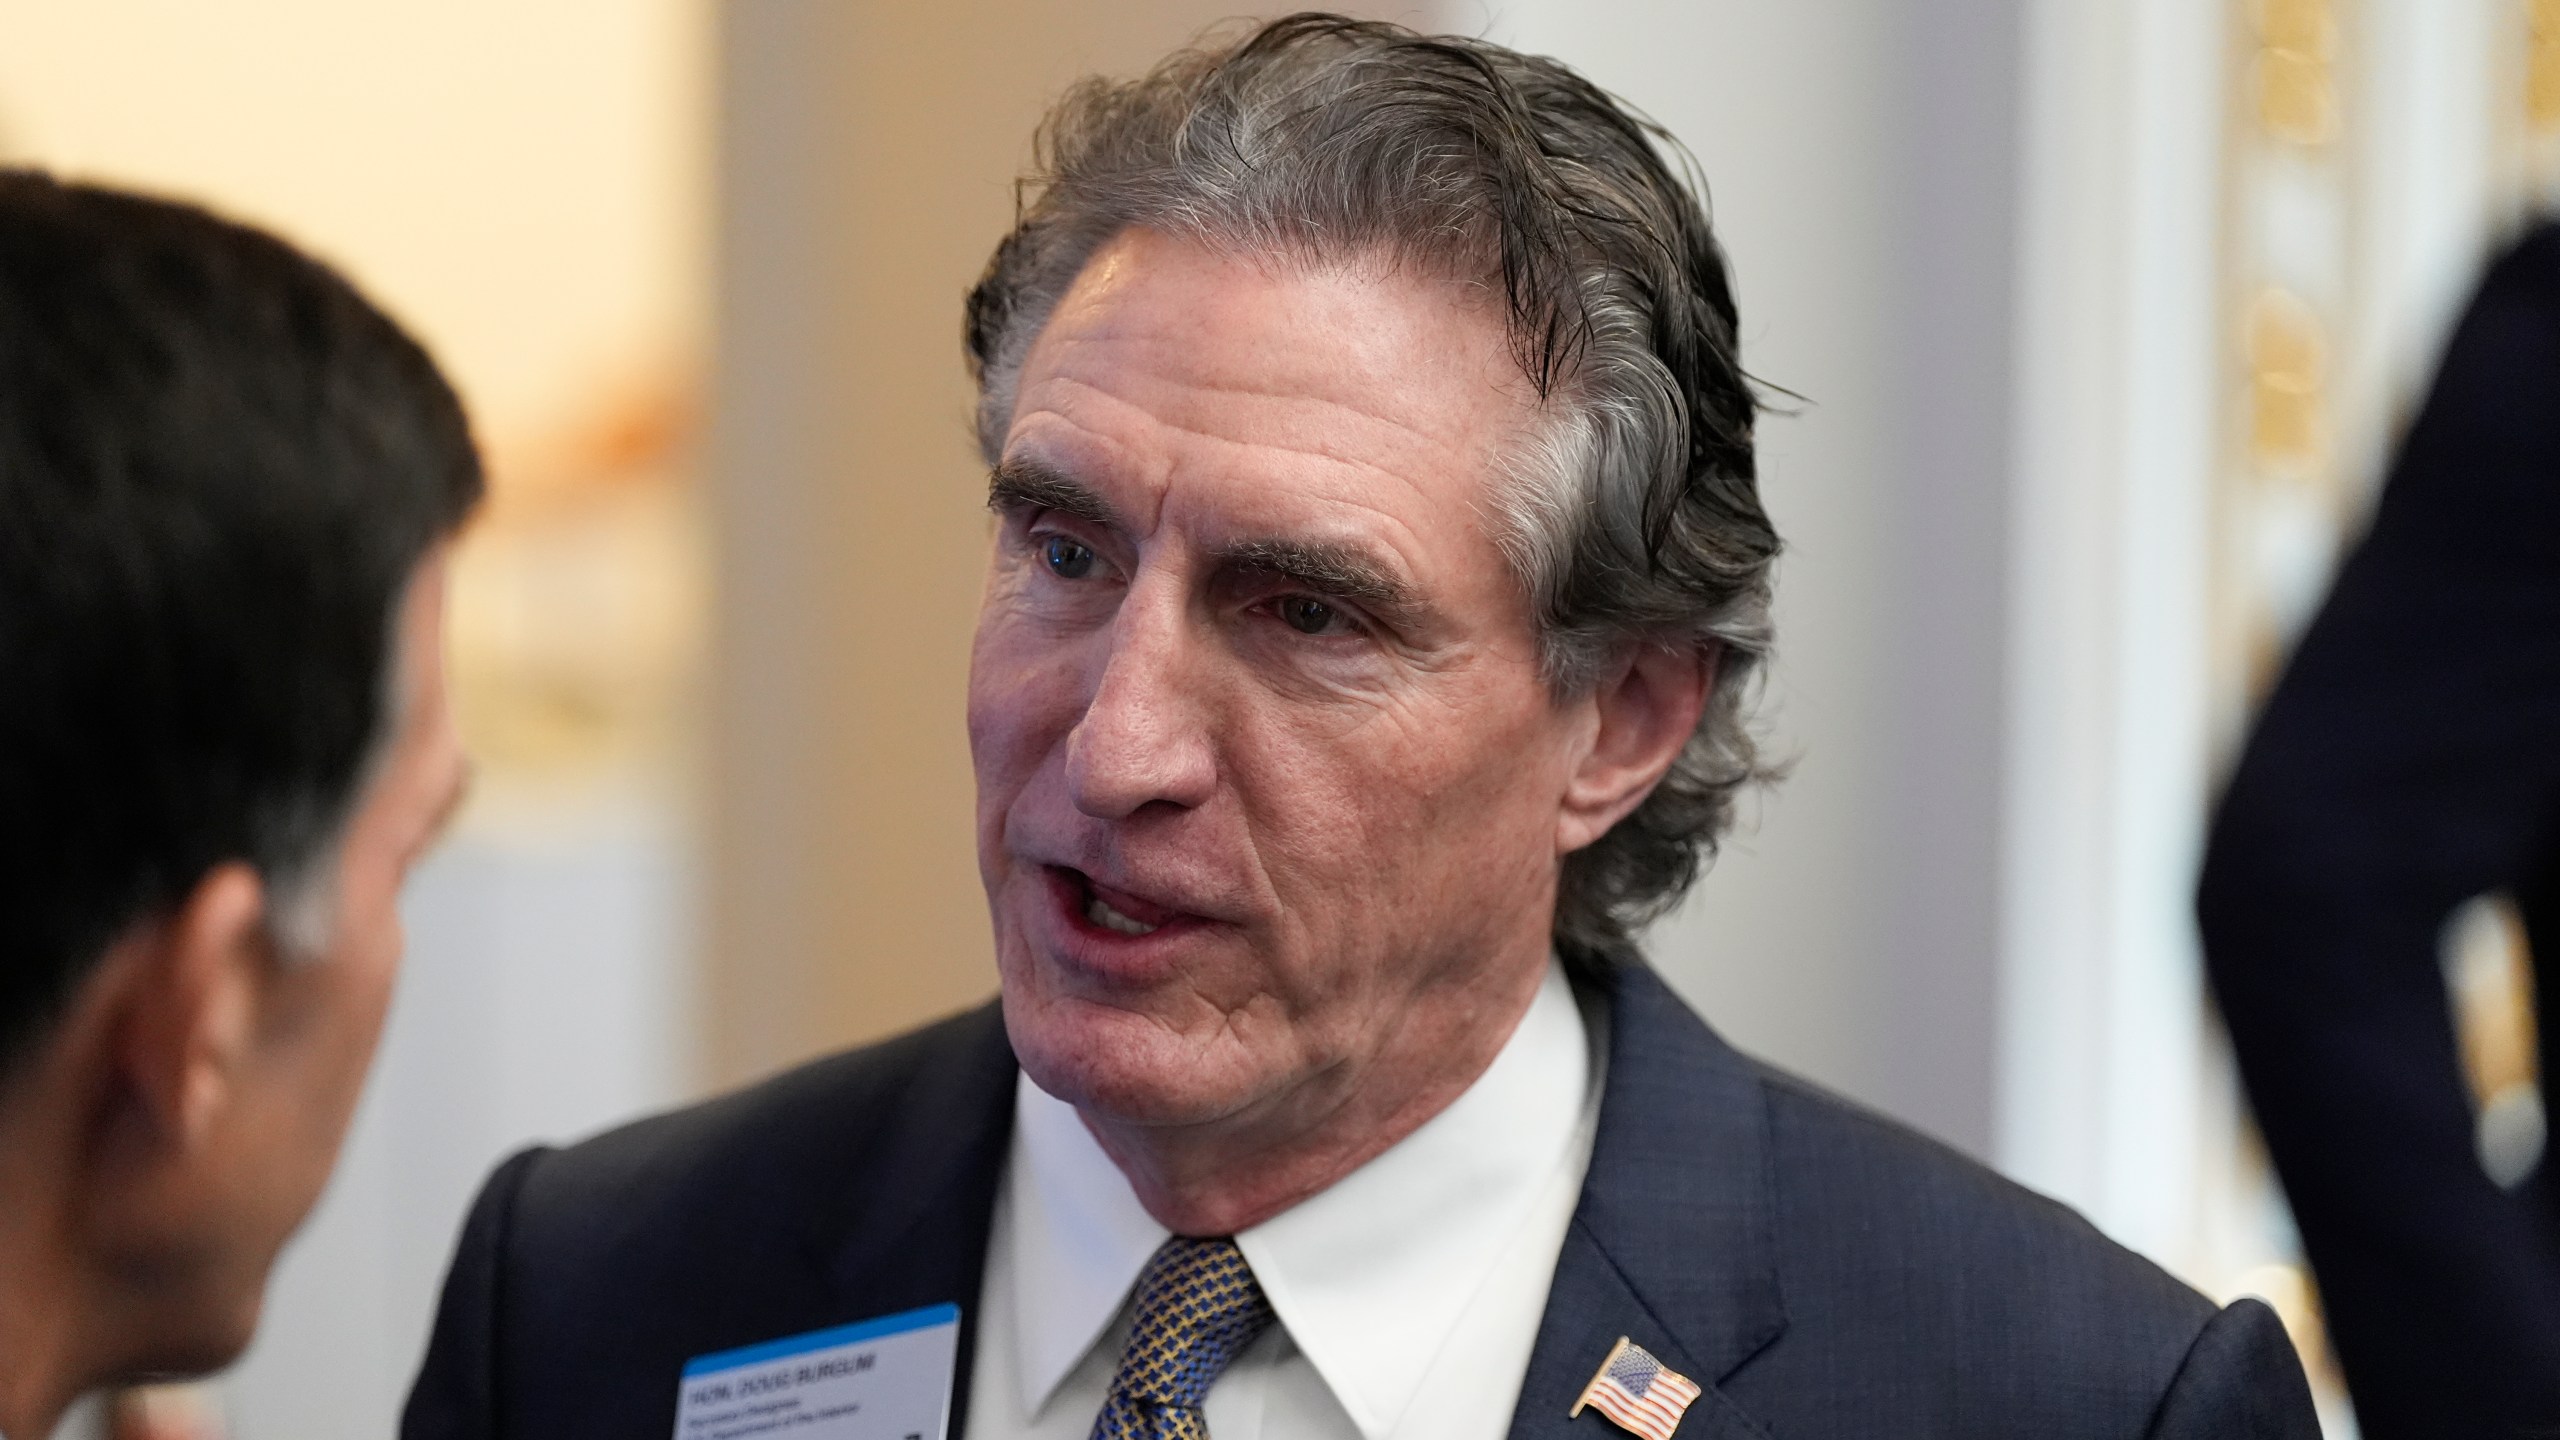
column 2531, row 261
column 2512, row 314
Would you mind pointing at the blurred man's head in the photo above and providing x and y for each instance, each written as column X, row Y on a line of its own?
column 226, row 487
column 1379, row 571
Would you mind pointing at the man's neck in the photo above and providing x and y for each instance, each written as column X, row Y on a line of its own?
column 1227, row 1176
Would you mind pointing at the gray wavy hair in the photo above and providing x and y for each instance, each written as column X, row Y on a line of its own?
column 1634, row 519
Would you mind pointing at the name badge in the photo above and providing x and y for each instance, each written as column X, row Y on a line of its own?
column 884, row 1379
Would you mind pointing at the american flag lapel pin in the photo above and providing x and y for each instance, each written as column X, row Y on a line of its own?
column 1637, row 1391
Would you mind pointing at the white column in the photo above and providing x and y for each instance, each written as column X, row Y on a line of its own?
column 2106, row 775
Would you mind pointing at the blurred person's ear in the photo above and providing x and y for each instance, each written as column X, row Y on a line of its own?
column 194, row 1004
column 130, row 1145
column 1640, row 716
column 180, row 1194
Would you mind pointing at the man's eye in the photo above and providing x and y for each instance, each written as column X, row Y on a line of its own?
column 1065, row 558
column 1306, row 616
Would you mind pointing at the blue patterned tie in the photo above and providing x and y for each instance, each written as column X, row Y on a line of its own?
column 1198, row 1308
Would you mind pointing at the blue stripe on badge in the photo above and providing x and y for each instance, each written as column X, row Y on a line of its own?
column 789, row 1345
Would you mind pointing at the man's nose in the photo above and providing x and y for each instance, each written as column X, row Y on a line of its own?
column 1142, row 739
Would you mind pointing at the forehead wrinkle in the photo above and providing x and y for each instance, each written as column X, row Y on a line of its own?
column 1333, row 452
column 1275, row 424
column 1363, row 471
column 1327, row 389
column 1454, row 440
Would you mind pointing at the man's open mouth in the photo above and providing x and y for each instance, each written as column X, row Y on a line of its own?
column 1099, row 911
column 1114, row 910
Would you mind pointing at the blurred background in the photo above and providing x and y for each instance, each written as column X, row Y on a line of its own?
column 2105, row 312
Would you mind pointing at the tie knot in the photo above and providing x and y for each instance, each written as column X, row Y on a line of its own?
column 1198, row 1308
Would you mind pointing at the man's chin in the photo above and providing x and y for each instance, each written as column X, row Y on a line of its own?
column 190, row 1336
column 1121, row 1067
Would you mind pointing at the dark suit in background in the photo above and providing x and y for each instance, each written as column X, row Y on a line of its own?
column 2410, row 760
column 1821, row 1271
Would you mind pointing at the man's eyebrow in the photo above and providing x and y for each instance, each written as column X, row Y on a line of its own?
column 1031, row 485
column 1338, row 570
column 1343, row 571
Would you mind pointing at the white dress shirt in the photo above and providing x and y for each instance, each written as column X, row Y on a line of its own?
column 1408, row 1294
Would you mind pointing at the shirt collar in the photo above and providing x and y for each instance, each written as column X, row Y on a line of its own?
column 1079, row 1239
column 1368, row 1276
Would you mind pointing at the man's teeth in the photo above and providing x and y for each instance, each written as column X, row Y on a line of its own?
column 1110, row 919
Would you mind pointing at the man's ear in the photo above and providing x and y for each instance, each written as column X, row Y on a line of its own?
column 1645, row 712
column 192, row 1001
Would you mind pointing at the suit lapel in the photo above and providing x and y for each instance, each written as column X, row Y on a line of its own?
column 910, row 1227
column 1672, row 1244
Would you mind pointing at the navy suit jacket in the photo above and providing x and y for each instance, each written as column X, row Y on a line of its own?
column 1819, row 1270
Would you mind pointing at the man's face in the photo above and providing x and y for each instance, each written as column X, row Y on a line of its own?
column 1268, row 783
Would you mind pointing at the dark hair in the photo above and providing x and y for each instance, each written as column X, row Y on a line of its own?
column 1635, row 519
column 219, row 468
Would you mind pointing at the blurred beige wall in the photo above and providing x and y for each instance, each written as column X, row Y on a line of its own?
column 522, row 184
column 867, row 155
